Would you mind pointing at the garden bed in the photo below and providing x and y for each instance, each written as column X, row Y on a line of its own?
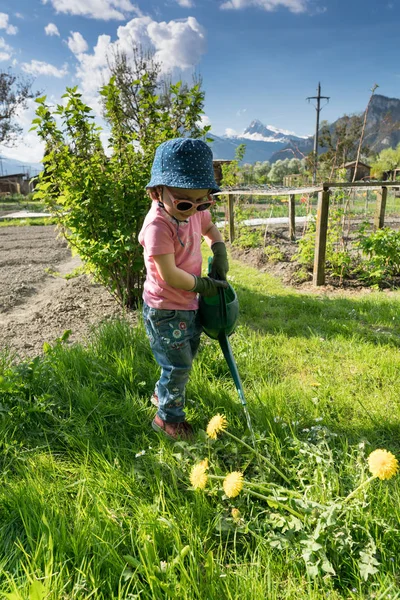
column 37, row 302
column 274, row 252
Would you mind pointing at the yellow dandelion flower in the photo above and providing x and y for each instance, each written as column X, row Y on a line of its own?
column 198, row 475
column 383, row 464
column 235, row 512
column 217, row 424
column 233, row 484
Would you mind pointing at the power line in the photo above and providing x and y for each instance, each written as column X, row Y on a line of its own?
column 318, row 108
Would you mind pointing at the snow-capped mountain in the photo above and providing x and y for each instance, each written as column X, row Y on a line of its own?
column 262, row 141
column 259, row 132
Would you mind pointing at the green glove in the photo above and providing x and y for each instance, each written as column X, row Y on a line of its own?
column 206, row 286
column 219, row 265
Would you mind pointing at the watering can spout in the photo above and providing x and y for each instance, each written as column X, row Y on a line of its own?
column 218, row 316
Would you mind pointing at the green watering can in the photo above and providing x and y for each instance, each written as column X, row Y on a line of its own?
column 218, row 316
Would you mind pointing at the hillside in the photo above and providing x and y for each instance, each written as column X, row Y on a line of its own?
column 382, row 130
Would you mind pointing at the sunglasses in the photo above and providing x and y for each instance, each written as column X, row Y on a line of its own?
column 184, row 205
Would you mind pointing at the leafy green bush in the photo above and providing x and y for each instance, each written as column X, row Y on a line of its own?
column 100, row 202
column 382, row 249
column 338, row 259
column 273, row 253
column 248, row 238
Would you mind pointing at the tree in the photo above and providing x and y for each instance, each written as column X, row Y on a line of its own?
column 294, row 166
column 232, row 173
column 341, row 142
column 261, row 171
column 388, row 160
column 169, row 110
column 14, row 93
column 100, row 202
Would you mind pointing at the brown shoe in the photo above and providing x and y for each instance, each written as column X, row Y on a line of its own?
column 174, row 431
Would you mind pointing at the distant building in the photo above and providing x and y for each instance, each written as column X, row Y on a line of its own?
column 393, row 175
column 363, row 171
column 17, row 183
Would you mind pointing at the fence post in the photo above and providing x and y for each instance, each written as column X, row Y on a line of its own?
column 381, row 198
column 292, row 217
column 231, row 220
column 320, row 237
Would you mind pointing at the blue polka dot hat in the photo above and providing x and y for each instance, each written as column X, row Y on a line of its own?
column 184, row 163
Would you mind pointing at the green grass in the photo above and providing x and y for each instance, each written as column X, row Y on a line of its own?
column 20, row 202
column 85, row 513
column 27, row 221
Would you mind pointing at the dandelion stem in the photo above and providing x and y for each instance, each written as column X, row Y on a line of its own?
column 262, row 497
column 269, row 463
column 250, row 484
column 277, row 503
column 358, row 488
column 274, row 488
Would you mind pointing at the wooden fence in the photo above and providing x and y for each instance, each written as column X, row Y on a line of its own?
column 323, row 192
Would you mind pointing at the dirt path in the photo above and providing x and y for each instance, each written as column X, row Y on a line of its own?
column 37, row 304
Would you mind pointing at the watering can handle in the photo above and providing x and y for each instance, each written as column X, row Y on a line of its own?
column 221, row 291
column 210, row 260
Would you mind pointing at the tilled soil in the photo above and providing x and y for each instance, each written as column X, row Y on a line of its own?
column 37, row 303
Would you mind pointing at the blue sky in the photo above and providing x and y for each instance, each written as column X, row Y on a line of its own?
column 259, row 59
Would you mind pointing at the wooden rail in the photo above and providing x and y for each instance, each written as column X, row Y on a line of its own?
column 323, row 191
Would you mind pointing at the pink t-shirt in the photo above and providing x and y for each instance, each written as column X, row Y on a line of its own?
column 159, row 235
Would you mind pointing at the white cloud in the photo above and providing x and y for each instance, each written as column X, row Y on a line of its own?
column 37, row 67
column 51, row 29
column 185, row 3
column 241, row 112
column 176, row 45
column 5, row 50
column 29, row 147
column 231, row 132
column 295, row 6
column 19, row 15
column 77, row 43
column 4, row 24
column 96, row 9
column 204, row 121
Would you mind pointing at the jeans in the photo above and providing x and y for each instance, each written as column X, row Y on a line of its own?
column 174, row 339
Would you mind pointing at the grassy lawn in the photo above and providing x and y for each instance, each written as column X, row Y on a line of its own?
column 28, row 221
column 19, row 202
column 94, row 504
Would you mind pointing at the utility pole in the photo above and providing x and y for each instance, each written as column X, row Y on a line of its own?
column 318, row 108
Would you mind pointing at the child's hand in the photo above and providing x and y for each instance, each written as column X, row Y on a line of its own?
column 219, row 265
column 206, row 286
